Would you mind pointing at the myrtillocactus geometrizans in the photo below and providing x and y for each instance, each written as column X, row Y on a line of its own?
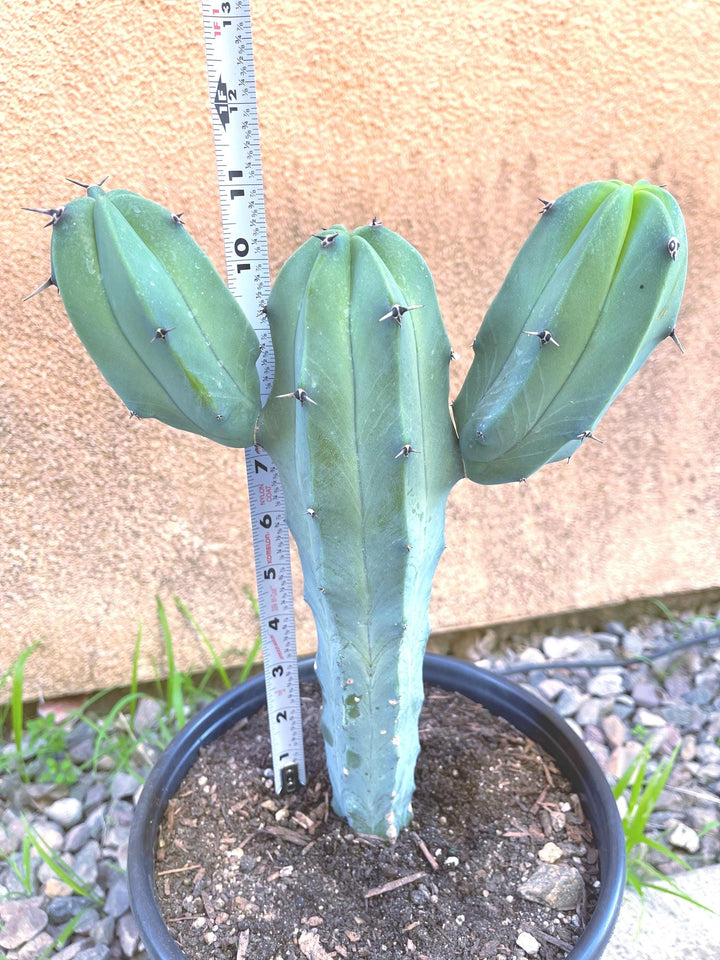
column 358, row 421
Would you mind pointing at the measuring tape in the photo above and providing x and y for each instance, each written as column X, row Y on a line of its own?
column 231, row 79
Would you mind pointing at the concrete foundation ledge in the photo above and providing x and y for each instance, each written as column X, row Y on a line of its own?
column 664, row 927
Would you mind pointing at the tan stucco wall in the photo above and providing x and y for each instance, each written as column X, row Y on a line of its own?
column 447, row 121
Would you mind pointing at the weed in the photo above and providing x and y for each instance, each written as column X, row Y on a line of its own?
column 645, row 791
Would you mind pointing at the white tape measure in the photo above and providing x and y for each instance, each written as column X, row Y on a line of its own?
column 231, row 79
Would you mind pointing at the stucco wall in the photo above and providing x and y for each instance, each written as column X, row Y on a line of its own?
column 447, row 121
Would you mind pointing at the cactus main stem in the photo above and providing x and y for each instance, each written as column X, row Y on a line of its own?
column 372, row 692
column 359, row 427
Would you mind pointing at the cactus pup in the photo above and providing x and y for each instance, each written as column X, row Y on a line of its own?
column 359, row 422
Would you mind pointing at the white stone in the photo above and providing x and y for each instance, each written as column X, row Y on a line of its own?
column 606, row 684
column 550, row 853
column 528, row 943
column 561, row 648
column 67, row 812
column 646, row 718
column 551, row 688
column 684, row 837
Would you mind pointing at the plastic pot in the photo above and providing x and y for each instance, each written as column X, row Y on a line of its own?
column 500, row 696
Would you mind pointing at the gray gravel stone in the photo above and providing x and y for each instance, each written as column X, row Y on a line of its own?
column 34, row 948
column 561, row 648
column 82, row 751
column 62, row 909
column 560, row 886
column 677, row 685
column 70, row 951
column 590, row 712
column 606, row 639
column 708, row 774
column 20, row 921
column 123, row 786
column 96, row 821
column 647, row 718
column 120, row 813
column 118, row 899
column 708, row 753
column 104, row 931
column 77, row 837
column 116, row 837
column 96, row 793
column 646, row 694
column 702, row 695
column 570, row 701
column 99, row 952
column 551, row 688
column 599, row 751
column 624, row 707
column 128, row 935
column 87, row 921
column 147, row 711
column 86, row 862
column 632, row 643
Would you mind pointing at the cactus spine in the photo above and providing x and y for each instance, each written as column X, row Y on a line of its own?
column 359, row 427
column 358, row 421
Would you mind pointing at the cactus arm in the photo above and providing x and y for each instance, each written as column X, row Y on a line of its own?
column 607, row 303
column 214, row 308
column 155, row 315
column 543, row 251
column 76, row 271
column 161, row 325
column 367, row 517
column 647, row 283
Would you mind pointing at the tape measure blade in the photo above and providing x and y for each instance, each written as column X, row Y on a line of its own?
column 231, row 82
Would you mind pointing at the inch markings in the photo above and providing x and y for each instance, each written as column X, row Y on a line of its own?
column 231, row 82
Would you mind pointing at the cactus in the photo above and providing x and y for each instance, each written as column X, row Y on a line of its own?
column 155, row 315
column 358, row 421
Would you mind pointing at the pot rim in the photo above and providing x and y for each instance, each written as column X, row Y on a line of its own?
column 501, row 696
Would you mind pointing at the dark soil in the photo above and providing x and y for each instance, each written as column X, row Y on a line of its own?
column 243, row 875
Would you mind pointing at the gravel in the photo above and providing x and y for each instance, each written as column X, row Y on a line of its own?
column 670, row 700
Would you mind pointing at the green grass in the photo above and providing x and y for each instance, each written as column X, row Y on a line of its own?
column 642, row 791
column 41, row 742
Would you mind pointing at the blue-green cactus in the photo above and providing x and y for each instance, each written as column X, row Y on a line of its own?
column 358, row 420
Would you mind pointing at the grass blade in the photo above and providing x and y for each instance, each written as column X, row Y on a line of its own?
column 174, row 680
column 58, row 866
column 217, row 662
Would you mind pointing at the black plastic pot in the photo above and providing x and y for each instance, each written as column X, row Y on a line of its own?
column 500, row 696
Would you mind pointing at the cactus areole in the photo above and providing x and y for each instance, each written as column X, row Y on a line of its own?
column 359, row 422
